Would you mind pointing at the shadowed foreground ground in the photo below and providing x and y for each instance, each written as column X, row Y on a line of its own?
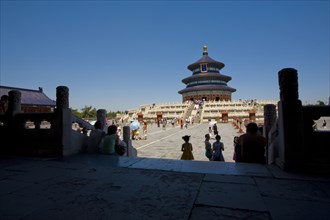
column 108, row 187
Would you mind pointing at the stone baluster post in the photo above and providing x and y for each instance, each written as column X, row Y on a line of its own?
column 14, row 107
column 130, row 150
column 269, row 122
column 127, row 139
column 63, row 122
column 62, row 97
column 14, row 104
column 101, row 115
column 12, row 126
column 291, row 150
column 37, row 123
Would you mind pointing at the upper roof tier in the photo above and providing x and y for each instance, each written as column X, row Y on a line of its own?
column 205, row 59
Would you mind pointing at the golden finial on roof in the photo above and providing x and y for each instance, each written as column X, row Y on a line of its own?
column 205, row 49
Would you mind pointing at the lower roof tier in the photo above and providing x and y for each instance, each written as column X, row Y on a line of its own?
column 207, row 88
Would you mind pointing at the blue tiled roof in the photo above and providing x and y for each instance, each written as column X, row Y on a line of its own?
column 206, row 76
column 207, row 87
column 205, row 59
column 29, row 96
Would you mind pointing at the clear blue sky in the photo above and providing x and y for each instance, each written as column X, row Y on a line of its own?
column 118, row 55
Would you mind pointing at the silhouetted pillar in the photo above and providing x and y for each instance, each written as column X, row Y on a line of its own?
column 269, row 122
column 101, row 115
column 14, row 102
column 62, row 97
column 289, row 121
column 10, row 133
column 63, row 128
column 130, row 150
column 127, row 138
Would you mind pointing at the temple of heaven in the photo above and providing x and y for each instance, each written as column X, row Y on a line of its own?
column 206, row 82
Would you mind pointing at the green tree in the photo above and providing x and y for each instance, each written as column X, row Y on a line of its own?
column 88, row 112
column 113, row 114
column 75, row 112
column 321, row 103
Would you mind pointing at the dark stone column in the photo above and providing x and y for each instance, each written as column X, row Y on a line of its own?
column 269, row 122
column 127, row 139
column 130, row 150
column 101, row 115
column 62, row 97
column 14, row 104
column 63, row 126
column 11, row 131
column 291, row 150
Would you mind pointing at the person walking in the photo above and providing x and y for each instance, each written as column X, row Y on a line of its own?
column 218, row 147
column 145, row 130
column 187, row 149
column 237, row 150
column 208, row 147
column 215, row 129
column 186, row 124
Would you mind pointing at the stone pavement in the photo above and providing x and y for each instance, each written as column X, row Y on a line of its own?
column 167, row 143
column 109, row 187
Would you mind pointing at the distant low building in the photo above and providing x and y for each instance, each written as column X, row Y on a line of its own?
column 32, row 101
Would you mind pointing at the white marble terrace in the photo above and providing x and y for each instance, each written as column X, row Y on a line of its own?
column 210, row 110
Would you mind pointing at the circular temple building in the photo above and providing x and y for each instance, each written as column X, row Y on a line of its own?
column 206, row 82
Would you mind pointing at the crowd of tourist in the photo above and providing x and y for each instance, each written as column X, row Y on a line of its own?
column 248, row 148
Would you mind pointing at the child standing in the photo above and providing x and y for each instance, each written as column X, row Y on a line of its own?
column 187, row 149
column 217, row 149
column 210, row 132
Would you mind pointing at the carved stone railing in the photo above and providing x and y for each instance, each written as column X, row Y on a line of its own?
column 48, row 134
column 297, row 146
column 201, row 117
column 82, row 123
column 38, row 140
column 316, row 142
column 35, row 119
column 27, row 135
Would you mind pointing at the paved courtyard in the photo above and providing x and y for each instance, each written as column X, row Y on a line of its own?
column 95, row 186
column 166, row 143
